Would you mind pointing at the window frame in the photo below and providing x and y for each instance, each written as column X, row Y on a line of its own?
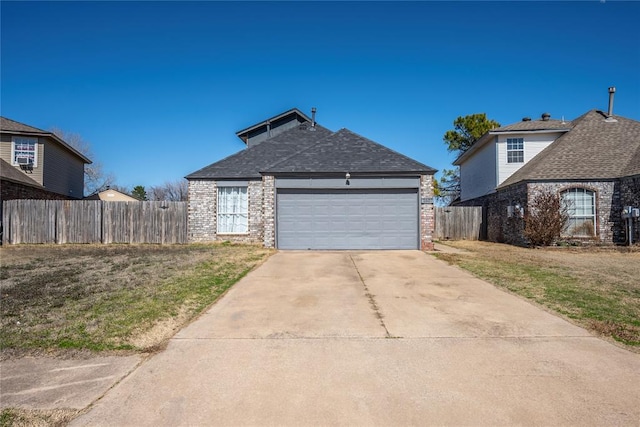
column 577, row 214
column 26, row 140
column 243, row 192
column 519, row 150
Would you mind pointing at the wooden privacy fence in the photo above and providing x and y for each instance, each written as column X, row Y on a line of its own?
column 458, row 223
column 93, row 221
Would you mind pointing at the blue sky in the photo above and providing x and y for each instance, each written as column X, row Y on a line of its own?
column 160, row 88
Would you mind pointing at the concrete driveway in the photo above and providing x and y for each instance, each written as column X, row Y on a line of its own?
column 375, row 338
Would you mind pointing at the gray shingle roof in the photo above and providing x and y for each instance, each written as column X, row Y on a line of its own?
column 593, row 149
column 10, row 173
column 249, row 162
column 534, row 125
column 13, row 126
column 301, row 150
column 346, row 151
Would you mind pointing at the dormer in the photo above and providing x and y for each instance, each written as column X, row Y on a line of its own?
column 273, row 126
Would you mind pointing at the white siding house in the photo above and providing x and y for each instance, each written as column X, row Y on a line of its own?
column 503, row 151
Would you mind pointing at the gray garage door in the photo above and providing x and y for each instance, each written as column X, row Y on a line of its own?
column 347, row 219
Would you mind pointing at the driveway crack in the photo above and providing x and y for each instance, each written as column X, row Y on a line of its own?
column 372, row 300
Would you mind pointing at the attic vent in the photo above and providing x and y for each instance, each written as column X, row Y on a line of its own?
column 526, row 119
column 546, row 116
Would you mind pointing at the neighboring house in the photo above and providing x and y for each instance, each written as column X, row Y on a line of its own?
column 110, row 195
column 298, row 185
column 592, row 161
column 37, row 164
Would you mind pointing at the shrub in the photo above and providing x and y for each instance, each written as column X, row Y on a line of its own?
column 545, row 219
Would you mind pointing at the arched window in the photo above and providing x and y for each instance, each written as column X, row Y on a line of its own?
column 582, row 212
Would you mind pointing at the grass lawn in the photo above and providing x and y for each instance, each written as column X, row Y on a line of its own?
column 597, row 288
column 110, row 297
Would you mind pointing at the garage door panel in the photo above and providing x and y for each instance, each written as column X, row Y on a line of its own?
column 347, row 219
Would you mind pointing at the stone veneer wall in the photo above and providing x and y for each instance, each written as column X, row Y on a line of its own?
column 427, row 215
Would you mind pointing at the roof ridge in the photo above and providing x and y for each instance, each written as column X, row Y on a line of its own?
column 300, row 151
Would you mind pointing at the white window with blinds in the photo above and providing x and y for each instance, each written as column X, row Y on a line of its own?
column 233, row 210
column 24, row 151
column 582, row 212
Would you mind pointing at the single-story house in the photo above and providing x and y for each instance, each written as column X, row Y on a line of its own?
column 299, row 185
column 111, row 195
column 593, row 162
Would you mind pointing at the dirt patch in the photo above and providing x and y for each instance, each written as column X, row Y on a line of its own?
column 110, row 298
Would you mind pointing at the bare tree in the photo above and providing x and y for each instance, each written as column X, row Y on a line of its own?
column 95, row 179
column 173, row 191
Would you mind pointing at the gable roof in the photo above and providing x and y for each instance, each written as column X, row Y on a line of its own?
column 346, row 151
column 307, row 149
column 10, row 173
column 249, row 162
column 595, row 148
column 525, row 126
column 16, row 128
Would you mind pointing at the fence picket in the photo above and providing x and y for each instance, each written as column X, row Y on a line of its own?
column 458, row 223
column 93, row 221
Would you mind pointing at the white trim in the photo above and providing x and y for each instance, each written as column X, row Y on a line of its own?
column 27, row 139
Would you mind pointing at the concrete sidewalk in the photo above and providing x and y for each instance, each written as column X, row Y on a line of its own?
column 50, row 383
column 375, row 338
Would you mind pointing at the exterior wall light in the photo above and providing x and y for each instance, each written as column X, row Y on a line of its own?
column 347, row 177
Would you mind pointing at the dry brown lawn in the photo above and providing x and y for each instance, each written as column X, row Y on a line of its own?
column 595, row 287
column 110, row 297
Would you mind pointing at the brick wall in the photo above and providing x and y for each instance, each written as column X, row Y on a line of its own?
column 630, row 196
column 202, row 212
column 11, row 190
column 609, row 201
column 427, row 216
column 203, row 195
column 608, row 206
column 269, row 211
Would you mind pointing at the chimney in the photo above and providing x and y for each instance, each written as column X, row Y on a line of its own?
column 545, row 117
column 612, row 91
column 313, row 117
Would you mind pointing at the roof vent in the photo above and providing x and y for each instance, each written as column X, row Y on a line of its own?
column 546, row 116
column 612, row 91
column 526, row 119
column 313, row 118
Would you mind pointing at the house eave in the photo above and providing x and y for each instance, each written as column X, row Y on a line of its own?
column 487, row 137
column 53, row 136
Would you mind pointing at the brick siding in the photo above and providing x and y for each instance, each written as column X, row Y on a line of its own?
column 427, row 214
column 610, row 197
column 11, row 190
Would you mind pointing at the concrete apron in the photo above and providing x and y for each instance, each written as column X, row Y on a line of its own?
column 375, row 338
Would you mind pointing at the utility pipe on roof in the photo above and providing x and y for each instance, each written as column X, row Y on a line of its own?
column 612, row 91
